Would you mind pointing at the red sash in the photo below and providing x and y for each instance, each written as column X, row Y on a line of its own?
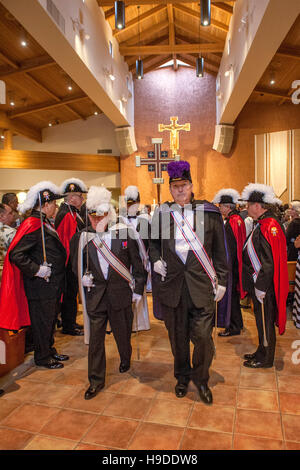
column 274, row 235
column 14, row 313
column 66, row 230
column 239, row 231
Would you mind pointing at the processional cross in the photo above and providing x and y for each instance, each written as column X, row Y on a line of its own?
column 157, row 161
column 174, row 129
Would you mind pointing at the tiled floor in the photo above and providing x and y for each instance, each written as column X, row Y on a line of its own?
column 253, row 409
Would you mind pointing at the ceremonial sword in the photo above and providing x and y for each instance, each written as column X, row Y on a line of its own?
column 264, row 324
column 43, row 238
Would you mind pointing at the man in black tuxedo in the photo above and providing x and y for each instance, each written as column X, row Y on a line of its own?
column 111, row 277
column 43, row 282
column 187, row 290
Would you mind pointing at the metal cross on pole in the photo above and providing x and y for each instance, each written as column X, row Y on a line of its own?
column 157, row 161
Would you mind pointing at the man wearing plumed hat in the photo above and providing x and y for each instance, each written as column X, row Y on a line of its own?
column 33, row 275
column 265, row 274
column 187, row 248
column 68, row 221
column 235, row 230
column 107, row 263
column 139, row 224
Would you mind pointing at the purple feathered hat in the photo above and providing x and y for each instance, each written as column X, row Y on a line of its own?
column 179, row 171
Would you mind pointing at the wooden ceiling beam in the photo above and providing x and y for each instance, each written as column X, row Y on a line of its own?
column 290, row 53
column 29, row 66
column 161, row 40
column 109, row 3
column 196, row 14
column 20, row 128
column 148, row 33
column 44, row 106
column 188, row 28
column 208, row 61
column 223, row 7
column 167, row 49
column 139, row 19
column 8, row 61
column 275, row 94
column 157, row 64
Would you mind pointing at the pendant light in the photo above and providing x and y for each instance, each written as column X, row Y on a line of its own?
column 139, row 69
column 119, row 15
column 200, row 59
column 205, row 12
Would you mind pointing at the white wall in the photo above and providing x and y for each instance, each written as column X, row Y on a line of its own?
column 97, row 132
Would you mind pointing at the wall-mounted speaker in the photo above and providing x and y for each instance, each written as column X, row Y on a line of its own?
column 126, row 140
column 223, row 138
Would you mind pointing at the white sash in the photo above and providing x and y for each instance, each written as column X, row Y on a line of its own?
column 142, row 248
column 254, row 259
column 196, row 246
column 113, row 261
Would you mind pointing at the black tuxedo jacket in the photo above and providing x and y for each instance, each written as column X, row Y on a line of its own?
column 199, row 284
column 116, row 287
column 27, row 255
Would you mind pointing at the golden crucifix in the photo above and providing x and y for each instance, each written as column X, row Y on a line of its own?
column 174, row 129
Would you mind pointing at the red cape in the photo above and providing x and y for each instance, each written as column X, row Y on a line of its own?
column 14, row 313
column 274, row 235
column 239, row 231
column 66, row 230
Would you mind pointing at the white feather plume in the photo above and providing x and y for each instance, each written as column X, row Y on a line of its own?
column 132, row 192
column 269, row 196
column 77, row 181
column 99, row 200
column 32, row 195
column 227, row 192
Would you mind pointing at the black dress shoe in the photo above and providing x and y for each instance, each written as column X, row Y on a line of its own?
column 51, row 364
column 73, row 332
column 205, row 394
column 92, row 391
column 124, row 367
column 1, row 392
column 227, row 332
column 78, row 327
column 250, row 357
column 254, row 364
column 61, row 357
column 181, row 389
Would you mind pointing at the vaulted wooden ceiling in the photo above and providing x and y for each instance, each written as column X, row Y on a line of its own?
column 41, row 91
column 158, row 31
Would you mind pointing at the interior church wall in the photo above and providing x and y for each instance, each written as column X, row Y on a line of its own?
column 164, row 93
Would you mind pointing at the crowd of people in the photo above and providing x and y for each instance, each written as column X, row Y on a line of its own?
column 199, row 259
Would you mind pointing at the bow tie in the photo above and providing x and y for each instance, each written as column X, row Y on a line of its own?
column 131, row 216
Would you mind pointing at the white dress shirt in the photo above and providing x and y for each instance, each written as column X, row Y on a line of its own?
column 181, row 246
column 104, row 265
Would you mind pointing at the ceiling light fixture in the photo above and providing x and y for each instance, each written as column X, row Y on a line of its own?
column 205, row 12
column 200, row 59
column 119, row 15
column 139, row 67
column 23, row 43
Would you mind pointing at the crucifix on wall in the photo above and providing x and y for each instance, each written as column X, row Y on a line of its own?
column 174, row 129
column 157, row 161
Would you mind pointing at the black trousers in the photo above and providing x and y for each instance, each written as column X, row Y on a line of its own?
column 121, row 326
column 43, row 314
column 187, row 323
column 266, row 354
column 69, row 303
column 236, row 319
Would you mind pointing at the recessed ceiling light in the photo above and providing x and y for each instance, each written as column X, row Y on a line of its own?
column 2, row 137
column 50, row 124
column 96, row 113
column 272, row 81
column 12, row 103
column 112, row 77
column 23, row 43
column 70, row 87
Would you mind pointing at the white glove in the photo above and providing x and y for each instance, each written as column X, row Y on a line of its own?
column 160, row 267
column 136, row 298
column 87, row 280
column 220, row 293
column 260, row 295
column 44, row 272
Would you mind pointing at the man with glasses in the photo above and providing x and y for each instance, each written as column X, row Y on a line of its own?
column 187, row 250
column 67, row 222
